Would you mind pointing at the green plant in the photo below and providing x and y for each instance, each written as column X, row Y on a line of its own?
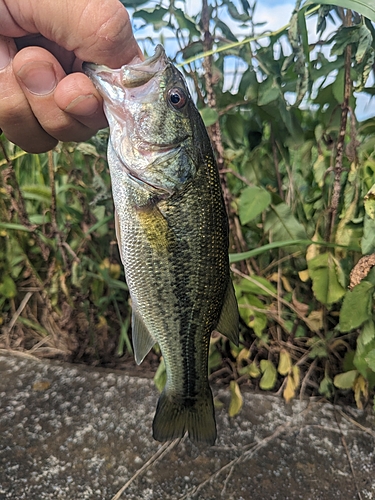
column 298, row 175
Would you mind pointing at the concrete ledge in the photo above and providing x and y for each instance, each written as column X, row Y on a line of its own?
column 73, row 432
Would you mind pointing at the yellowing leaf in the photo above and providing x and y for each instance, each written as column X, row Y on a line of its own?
column 315, row 320
column 244, row 354
column 360, row 388
column 304, row 275
column 292, row 383
column 269, row 376
column 253, row 370
column 290, row 389
column 275, row 277
column 313, row 250
column 236, row 400
column 287, row 286
column 296, row 372
column 285, row 363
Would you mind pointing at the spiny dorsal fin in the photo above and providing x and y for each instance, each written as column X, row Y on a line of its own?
column 142, row 339
column 228, row 321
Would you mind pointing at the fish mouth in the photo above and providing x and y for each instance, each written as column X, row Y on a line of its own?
column 132, row 75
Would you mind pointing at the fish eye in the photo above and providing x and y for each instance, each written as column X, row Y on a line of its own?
column 177, row 97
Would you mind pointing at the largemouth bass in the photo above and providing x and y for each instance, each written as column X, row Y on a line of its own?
column 172, row 233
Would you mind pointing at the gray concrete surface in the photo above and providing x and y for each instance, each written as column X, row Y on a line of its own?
column 74, row 432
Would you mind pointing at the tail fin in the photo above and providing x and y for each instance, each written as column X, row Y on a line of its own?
column 175, row 415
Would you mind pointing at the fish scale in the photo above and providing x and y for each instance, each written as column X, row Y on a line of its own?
column 172, row 231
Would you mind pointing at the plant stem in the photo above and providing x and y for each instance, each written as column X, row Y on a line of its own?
column 338, row 169
column 216, row 137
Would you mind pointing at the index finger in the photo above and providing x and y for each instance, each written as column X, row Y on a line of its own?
column 95, row 30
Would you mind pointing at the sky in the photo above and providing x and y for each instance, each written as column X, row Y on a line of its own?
column 273, row 13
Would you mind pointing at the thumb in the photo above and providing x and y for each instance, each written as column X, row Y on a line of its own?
column 95, row 30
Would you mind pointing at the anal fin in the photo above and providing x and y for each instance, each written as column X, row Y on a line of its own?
column 228, row 321
column 142, row 339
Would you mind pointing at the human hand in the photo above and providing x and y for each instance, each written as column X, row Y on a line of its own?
column 44, row 96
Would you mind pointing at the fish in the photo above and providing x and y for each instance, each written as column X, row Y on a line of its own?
column 172, row 231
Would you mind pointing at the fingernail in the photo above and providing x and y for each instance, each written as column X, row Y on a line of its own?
column 4, row 54
column 84, row 105
column 38, row 77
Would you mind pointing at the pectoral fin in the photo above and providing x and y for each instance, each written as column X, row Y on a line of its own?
column 142, row 339
column 228, row 321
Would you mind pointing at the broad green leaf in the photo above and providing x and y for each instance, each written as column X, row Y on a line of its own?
column 153, row 16
column 227, row 32
column 282, row 224
column 236, row 399
column 364, row 7
column 370, row 358
column 8, row 287
column 186, row 22
column 368, row 332
column 324, row 271
column 256, row 285
column 362, row 351
column 356, row 307
column 235, row 14
column 249, row 306
column 258, row 324
column 252, row 202
column 269, row 377
column 269, row 91
column 369, row 202
column 326, row 387
column 209, row 116
column 345, row 380
column 368, row 238
column 338, row 87
column 365, row 41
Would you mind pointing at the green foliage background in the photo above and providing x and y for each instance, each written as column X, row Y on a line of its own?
column 298, row 174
